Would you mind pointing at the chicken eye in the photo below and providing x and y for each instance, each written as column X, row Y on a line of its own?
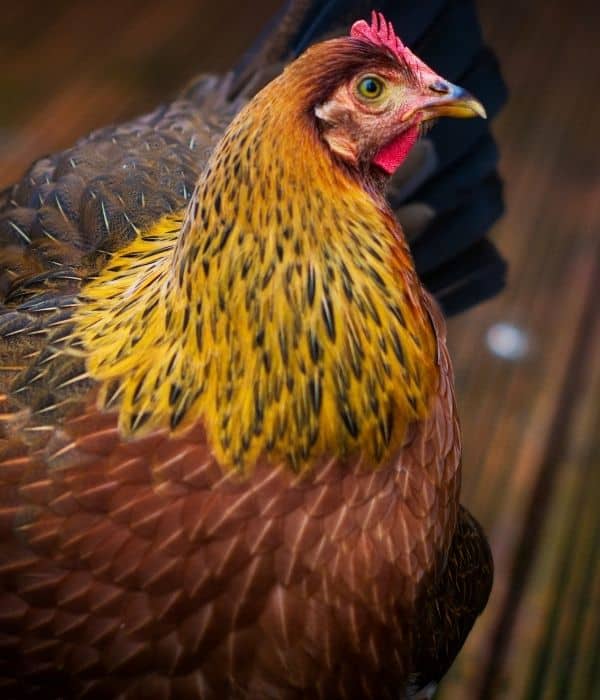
column 370, row 87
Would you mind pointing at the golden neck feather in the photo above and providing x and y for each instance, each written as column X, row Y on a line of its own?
column 281, row 308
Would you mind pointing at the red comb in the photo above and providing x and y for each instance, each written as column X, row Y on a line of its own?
column 381, row 33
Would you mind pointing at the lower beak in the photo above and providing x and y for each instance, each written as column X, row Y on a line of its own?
column 451, row 101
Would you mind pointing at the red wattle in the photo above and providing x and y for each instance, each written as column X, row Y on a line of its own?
column 391, row 156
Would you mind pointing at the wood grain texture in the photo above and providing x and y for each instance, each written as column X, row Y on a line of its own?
column 530, row 426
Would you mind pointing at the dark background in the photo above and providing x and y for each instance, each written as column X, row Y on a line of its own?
column 527, row 364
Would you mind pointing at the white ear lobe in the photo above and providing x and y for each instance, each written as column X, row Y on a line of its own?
column 336, row 135
column 325, row 112
column 341, row 144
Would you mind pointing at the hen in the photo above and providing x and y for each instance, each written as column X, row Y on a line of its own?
column 230, row 456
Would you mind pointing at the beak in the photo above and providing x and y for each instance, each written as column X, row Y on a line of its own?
column 448, row 100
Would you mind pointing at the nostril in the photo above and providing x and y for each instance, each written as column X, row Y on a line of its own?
column 440, row 86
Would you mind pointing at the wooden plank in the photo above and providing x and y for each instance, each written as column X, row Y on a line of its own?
column 517, row 416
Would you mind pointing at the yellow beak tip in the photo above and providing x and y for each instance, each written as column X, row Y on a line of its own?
column 479, row 109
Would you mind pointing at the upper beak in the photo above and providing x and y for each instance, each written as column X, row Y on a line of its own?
column 445, row 99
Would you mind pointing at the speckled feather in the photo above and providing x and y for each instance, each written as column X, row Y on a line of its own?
column 286, row 310
column 252, row 495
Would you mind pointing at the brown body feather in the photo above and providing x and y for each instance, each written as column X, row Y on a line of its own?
column 140, row 566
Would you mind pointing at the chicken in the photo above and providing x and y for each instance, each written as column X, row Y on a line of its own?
column 230, row 454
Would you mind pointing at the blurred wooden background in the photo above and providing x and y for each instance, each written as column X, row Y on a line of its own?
column 531, row 423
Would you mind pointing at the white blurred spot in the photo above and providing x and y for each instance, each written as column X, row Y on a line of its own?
column 507, row 341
